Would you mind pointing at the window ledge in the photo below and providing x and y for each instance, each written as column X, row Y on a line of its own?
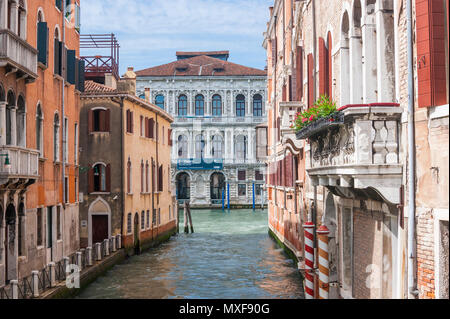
column 98, row 132
column 130, row 194
column 56, row 162
column 100, row 193
column 58, row 77
column 42, row 159
column 439, row 111
column 42, row 66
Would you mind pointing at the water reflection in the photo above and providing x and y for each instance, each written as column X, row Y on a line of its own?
column 230, row 255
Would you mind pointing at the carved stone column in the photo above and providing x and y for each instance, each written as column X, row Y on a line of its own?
column 2, row 123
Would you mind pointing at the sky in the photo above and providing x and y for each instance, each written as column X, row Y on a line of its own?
column 151, row 31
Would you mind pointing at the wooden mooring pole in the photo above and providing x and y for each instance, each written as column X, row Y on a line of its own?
column 190, row 217
column 186, row 228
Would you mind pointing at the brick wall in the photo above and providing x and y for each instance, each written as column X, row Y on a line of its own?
column 425, row 254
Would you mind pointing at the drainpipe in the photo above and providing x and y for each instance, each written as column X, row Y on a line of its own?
column 122, row 164
column 314, row 210
column 412, row 285
column 63, row 119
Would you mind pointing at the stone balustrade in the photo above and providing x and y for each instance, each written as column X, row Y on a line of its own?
column 24, row 163
column 18, row 54
column 360, row 151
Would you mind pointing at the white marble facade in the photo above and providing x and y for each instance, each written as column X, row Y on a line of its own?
column 222, row 135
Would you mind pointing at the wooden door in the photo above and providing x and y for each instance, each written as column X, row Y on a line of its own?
column 99, row 228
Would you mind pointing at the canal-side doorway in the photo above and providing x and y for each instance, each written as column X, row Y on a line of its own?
column 217, row 185
column 183, row 183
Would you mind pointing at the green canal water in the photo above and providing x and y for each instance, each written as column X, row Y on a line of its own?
column 230, row 255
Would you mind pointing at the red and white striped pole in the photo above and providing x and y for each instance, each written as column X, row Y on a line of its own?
column 324, row 270
column 309, row 259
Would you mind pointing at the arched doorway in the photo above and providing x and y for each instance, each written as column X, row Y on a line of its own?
column 136, row 234
column 10, row 244
column 217, row 184
column 183, row 184
column 99, row 219
column 330, row 220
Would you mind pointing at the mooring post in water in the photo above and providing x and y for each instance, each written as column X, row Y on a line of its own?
column 228, row 196
column 309, row 260
column 223, row 199
column 186, row 228
column 190, row 218
column 253, row 196
column 262, row 198
column 322, row 234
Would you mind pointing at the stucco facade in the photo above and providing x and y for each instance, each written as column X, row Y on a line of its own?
column 43, row 204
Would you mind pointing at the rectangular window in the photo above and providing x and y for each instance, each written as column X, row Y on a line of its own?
column 58, row 4
column 75, row 147
column 242, row 175
column 76, row 190
column 49, row 227
column 154, row 217
column 148, row 218
column 259, row 176
column 39, row 227
column 258, row 189
column 142, row 220
column 142, row 126
column 129, row 223
column 242, row 190
column 58, row 223
column 42, row 43
column 65, row 141
column 66, row 189
column 159, row 216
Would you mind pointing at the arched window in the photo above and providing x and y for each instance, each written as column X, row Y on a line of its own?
column 199, row 105
column 345, row 91
column 11, row 104
column 56, row 138
column 22, row 20
column 217, row 147
column 129, row 176
column 240, row 105
column 146, row 177
column 352, row 36
column 21, row 122
column 182, row 105
column 199, row 147
column 217, row 105
column 182, row 146
column 159, row 101
column 129, row 225
column 142, row 177
column 100, row 178
column 57, row 53
column 39, row 130
column 241, row 147
column 257, row 105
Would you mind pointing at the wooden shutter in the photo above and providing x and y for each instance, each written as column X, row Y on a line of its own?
column 290, row 88
column 107, row 120
column 323, row 72
column 90, row 121
column 81, row 67
column 169, row 133
column 310, row 80
column 91, row 179
column 71, row 66
column 152, row 124
column 42, row 42
column 57, row 57
column 299, row 72
column 330, row 65
column 132, row 122
column 108, row 178
column 431, row 58
column 102, row 120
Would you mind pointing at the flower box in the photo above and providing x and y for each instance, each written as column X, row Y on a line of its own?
column 320, row 125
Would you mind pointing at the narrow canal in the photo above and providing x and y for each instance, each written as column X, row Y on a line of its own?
column 230, row 255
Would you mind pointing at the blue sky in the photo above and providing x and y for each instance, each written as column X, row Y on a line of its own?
column 151, row 31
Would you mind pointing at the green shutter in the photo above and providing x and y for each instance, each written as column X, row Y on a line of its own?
column 71, row 66
column 58, row 4
column 58, row 57
column 42, row 42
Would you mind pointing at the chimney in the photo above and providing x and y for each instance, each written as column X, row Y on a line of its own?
column 110, row 81
column 128, row 82
column 147, row 94
column 271, row 10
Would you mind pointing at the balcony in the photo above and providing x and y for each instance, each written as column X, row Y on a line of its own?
column 24, row 164
column 288, row 110
column 198, row 164
column 218, row 120
column 357, row 156
column 17, row 56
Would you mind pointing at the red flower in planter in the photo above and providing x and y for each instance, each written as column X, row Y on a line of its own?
column 311, row 118
column 304, row 119
column 331, row 120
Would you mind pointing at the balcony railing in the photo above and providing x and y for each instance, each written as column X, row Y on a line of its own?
column 24, row 163
column 287, row 113
column 359, row 151
column 219, row 120
column 200, row 164
column 18, row 54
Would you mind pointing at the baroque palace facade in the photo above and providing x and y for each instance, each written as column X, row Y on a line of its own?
column 219, row 130
column 376, row 174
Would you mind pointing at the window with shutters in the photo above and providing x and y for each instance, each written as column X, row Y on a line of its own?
column 147, row 167
column 299, row 73
column 58, row 4
column 142, row 125
column 129, row 121
column 42, row 40
column 40, row 131
column 154, row 217
column 148, row 219
column 160, row 178
column 100, row 120
column 432, row 52
column 71, row 66
column 75, row 146
column 142, row 220
column 242, row 175
column 57, row 53
column 142, row 177
column 56, row 138
column 39, row 222
column 151, row 128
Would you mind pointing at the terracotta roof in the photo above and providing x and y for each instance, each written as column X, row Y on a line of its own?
column 200, row 66
column 183, row 53
column 94, row 87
